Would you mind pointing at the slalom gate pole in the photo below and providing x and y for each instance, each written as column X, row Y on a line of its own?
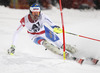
column 64, row 55
column 82, row 36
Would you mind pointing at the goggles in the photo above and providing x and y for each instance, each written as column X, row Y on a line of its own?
column 37, row 13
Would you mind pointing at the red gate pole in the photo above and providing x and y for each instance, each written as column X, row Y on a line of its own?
column 64, row 55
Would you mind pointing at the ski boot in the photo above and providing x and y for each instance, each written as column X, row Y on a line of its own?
column 69, row 48
column 51, row 47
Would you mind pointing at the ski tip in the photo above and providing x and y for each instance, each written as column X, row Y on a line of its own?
column 80, row 61
column 95, row 61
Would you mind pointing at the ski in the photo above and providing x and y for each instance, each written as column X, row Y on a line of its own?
column 94, row 61
column 78, row 60
column 87, row 60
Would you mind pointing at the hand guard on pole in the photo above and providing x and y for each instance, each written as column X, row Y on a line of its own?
column 57, row 30
column 11, row 50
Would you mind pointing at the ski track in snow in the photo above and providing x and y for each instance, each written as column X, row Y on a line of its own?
column 30, row 58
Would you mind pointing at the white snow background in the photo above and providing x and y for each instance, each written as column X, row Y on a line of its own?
column 31, row 58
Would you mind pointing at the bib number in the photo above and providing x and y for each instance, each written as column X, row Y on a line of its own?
column 36, row 27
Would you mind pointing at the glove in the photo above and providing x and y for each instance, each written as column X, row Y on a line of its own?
column 11, row 50
column 57, row 29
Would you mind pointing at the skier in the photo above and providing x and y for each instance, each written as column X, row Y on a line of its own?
column 39, row 33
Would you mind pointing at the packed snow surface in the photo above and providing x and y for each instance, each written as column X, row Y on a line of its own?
column 31, row 58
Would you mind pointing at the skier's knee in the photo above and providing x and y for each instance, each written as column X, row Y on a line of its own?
column 39, row 40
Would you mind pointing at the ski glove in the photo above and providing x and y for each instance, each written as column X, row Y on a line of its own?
column 11, row 50
column 57, row 29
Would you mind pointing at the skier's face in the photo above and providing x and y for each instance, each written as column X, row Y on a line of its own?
column 35, row 15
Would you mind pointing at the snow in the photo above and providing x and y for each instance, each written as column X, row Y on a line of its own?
column 31, row 58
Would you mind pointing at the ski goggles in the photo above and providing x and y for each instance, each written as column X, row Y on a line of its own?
column 37, row 13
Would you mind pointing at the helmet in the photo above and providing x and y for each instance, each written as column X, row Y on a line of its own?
column 35, row 7
column 35, row 11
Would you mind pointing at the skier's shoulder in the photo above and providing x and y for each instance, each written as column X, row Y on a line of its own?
column 44, row 16
column 22, row 21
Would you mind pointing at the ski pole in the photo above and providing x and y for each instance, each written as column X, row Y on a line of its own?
column 83, row 36
column 59, row 30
